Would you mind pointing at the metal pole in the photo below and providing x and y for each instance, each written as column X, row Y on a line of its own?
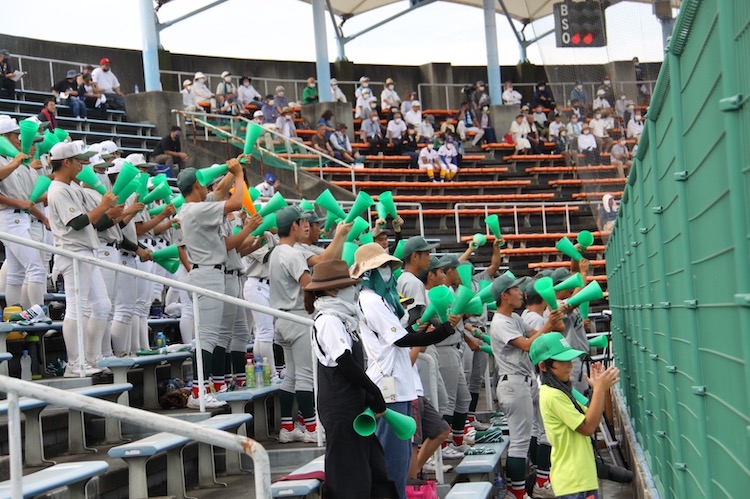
column 79, row 320
column 150, row 46
column 493, row 64
column 198, row 354
column 14, row 446
column 322, row 67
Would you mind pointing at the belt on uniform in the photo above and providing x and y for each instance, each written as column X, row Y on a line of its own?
column 454, row 345
column 161, row 240
column 17, row 210
column 218, row 266
column 127, row 253
column 263, row 280
column 504, row 377
column 232, row 272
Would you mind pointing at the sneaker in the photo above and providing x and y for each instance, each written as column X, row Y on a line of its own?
column 210, row 400
column 311, row 437
column 286, row 436
column 543, row 492
column 431, row 466
column 452, row 452
column 470, row 436
column 74, row 370
column 479, row 426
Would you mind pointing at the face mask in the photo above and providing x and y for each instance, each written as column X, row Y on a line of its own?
column 312, row 85
column 597, row 116
column 390, row 87
column 385, row 273
column 481, row 89
column 412, row 132
column 281, row 94
column 334, row 87
column 579, row 87
column 606, row 82
column 637, row 118
column 373, row 105
column 541, row 89
column 271, row 102
column 349, row 294
column 246, row 84
column 374, row 118
column 429, row 146
column 177, row 137
column 398, row 121
column 365, row 85
column 228, row 79
column 288, row 116
column 585, row 132
column 106, row 70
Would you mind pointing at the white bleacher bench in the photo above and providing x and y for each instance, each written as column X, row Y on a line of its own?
column 32, row 409
column 238, row 399
column 136, row 455
column 309, row 487
column 470, row 490
column 121, row 365
column 475, row 467
column 74, row 476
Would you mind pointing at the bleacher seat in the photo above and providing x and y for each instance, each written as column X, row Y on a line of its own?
column 74, row 476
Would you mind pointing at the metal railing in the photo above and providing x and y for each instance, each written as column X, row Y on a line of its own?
column 51, row 65
column 490, row 208
column 158, row 422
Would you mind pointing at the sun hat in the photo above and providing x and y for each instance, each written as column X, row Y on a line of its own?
column 371, row 256
column 552, row 346
column 199, row 75
column 332, row 274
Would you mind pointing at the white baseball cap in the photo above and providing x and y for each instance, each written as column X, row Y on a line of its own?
column 258, row 113
column 199, row 75
column 97, row 161
column 138, row 159
column 224, row 74
column 108, row 148
column 116, row 166
column 67, row 150
column 8, row 124
column 416, row 103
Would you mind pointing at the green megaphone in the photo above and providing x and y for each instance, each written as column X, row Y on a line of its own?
column 365, row 423
column 127, row 173
column 485, row 292
column 347, row 252
column 252, row 133
column 142, row 185
column 40, row 187
column 545, row 288
column 159, row 179
column 486, row 349
column 166, row 253
column 590, row 293
column 161, row 191
column 7, row 149
column 28, row 132
column 493, row 223
column 362, row 202
column 386, row 199
column 366, row 238
column 585, row 239
column 464, row 294
column 465, row 271
column 580, row 398
column 62, row 135
column 45, row 145
column 331, row 220
column 269, row 222
column 128, row 190
column 171, row 266
column 441, row 299
column 403, row 426
column 399, row 251
column 572, row 282
column 510, row 274
column 306, row 205
column 358, row 227
column 273, row 205
column 254, row 193
column 177, row 201
column 382, row 212
column 601, row 341
column 329, row 203
column 584, row 309
column 478, row 240
column 205, row 176
column 88, row 177
column 566, row 247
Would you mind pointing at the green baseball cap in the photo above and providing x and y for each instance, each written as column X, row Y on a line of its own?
column 414, row 244
column 314, row 218
column 503, row 284
column 288, row 215
column 552, row 346
column 559, row 275
column 449, row 261
column 186, row 179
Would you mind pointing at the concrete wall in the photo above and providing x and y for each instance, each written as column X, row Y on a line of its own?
column 154, row 108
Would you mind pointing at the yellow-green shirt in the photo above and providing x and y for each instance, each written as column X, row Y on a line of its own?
column 573, row 466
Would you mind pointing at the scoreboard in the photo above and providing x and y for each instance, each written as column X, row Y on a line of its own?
column 580, row 24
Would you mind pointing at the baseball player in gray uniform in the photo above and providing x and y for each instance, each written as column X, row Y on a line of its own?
column 257, row 290
column 206, row 250
column 517, row 387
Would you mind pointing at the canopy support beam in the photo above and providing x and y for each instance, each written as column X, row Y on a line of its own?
column 493, row 64
column 322, row 67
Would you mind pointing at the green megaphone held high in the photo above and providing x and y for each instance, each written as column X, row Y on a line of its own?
column 399, row 251
column 358, row 227
column 382, row 212
column 585, row 239
column 590, row 293
column 28, row 132
column 545, row 288
column 386, row 199
column 493, row 223
column 205, row 176
column 601, row 341
column 363, row 202
column 273, row 205
column 252, row 133
column 572, row 282
column 306, row 205
column 366, row 238
column 161, row 191
column 441, row 299
column 347, row 252
column 465, row 271
column 128, row 190
column 329, row 203
column 566, row 247
column 62, row 135
column 478, row 240
column 269, row 222
column 331, row 220
column 485, row 292
column 88, row 177
column 40, row 187
column 464, row 295
column 45, row 145
column 127, row 173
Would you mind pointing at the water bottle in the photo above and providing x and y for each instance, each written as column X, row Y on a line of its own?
column 266, row 372
column 189, row 382
column 497, row 485
column 157, row 309
column 135, row 89
column 249, row 374
column 259, row 374
column 26, row 366
column 160, row 341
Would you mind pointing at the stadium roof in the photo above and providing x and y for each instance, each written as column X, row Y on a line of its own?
column 521, row 10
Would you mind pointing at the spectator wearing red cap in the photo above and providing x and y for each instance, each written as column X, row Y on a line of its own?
column 108, row 84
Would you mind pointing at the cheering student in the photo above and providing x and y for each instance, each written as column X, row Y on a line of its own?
column 569, row 424
column 355, row 465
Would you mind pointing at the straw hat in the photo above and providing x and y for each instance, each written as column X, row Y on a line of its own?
column 331, row 275
column 371, row 256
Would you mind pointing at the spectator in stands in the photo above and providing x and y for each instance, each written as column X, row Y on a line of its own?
column 336, row 93
column 588, row 146
column 543, row 96
column 601, row 102
column 342, row 148
column 409, row 145
column 225, row 87
column 425, row 129
column 519, row 129
column 201, row 93
column 448, row 126
column 644, row 94
column 414, row 116
column 574, row 130
column 372, row 133
column 511, row 97
column 579, row 94
column 609, row 92
column 49, row 113
column 310, row 93
column 599, row 129
column 540, row 118
column 479, row 97
column 485, row 124
column 247, row 95
column 628, row 114
column 66, row 92
column 555, row 127
column 269, row 110
column 228, row 105
column 268, row 187
column 280, row 100
column 285, row 124
column 362, row 107
column 621, row 105
column 326, row 119
column 607, row 214
column 188, row 102
column 364, row 82
column 409, row 96
column 575, row 109
column 169, row 151
column 395, row 130
column 620, row 157
column 92, row 97
column 320, row 142
column 534, row 136
column 7, row 75
column 467, row 122
column 567, row 148
column 388, row 97
column 87, row 69
column 108, row 84
column 450, row 158
column 430, row 160
column 635, row 126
